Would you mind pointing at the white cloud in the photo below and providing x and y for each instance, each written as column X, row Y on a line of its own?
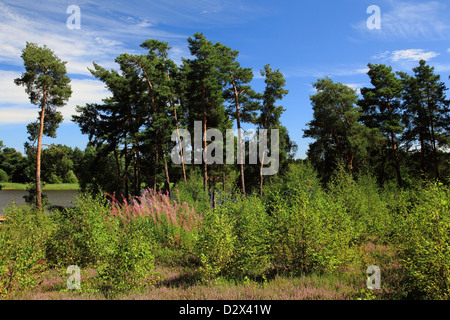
column 92, row 42
column 84, row 91
column 355, row 86
column 18, row 114
column 413, row 55
column 15, row 106
column 10, row 93
column 406, row 55
column 407, row 20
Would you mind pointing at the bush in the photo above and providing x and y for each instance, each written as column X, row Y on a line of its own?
column 82, row 235
column 128, row 262
column 71, row 177
column 215, row 246
column 361, row 200
column 426, row 244
column 235, row 239
column 170, row 223
column 22, row 249
column 309, row 233
column 93, row 235
column 192, row 192
column 3, row 176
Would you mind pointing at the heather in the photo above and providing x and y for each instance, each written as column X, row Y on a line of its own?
column 300, row 240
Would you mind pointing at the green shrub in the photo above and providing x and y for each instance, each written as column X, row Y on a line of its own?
column 216, row 243
column 22, row 249
column 234, row 239
column 361, row 200
column 90, row 235
column 3, row 176
column 81, row 236
column 128, row 262
column 310, row 231
column 426, row 244
column 192, row 191
column 71, row 177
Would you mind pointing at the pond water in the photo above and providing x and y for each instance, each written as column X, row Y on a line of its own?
column 56, row 197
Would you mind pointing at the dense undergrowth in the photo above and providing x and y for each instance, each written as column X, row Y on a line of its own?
column 297, row 230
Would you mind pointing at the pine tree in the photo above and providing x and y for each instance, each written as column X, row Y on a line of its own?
column 235, row 80
column 426, row 113
column 381, row 106
column 203, row 96
column 339, row 136
column 47, row 86
column 270, row 113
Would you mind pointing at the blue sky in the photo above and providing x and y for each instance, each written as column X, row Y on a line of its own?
column 306, row 40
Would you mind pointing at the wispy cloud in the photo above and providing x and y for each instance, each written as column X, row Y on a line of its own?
column 321, row 71
column 16, row 108
column 108, row 28
column 413, row 55
column 406, row 55
column 99, row 42
column 410, row 21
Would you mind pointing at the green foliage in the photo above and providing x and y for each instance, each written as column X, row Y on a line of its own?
column 90, row 236
column 192, row 191
column 81, row 236
column 234, row 239
column 13, row 163
column 71, row 177
column 97, row 171
column 426, row 243
column 127, row 262
column 3, row 176
column 308, row 233
column 339, row 135
column 360, row 200
column 215, row 247
column 22, row 249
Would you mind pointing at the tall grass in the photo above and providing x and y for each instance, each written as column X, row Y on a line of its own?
column 171, row 224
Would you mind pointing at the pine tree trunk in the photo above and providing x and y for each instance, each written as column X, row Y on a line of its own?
column 38, row 155
column 241, row 146
column 396, row 159
column 263, row 152
column 205, row 164
column 116, row 157
column 166, row 171
column 394, row 149
column 176, row 126
column 433, row 144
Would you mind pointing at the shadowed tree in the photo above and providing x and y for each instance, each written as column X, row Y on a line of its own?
column 118, row 121
column 48, row 87
column 235, row 80
column 270, row 113
column 381, row 106
column 336, row 129
column 203, row 96
column 427, row 113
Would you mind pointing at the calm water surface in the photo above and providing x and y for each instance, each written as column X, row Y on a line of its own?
column 56, row 197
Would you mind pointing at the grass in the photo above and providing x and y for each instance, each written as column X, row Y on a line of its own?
column 57, row 186
column 175, row 283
